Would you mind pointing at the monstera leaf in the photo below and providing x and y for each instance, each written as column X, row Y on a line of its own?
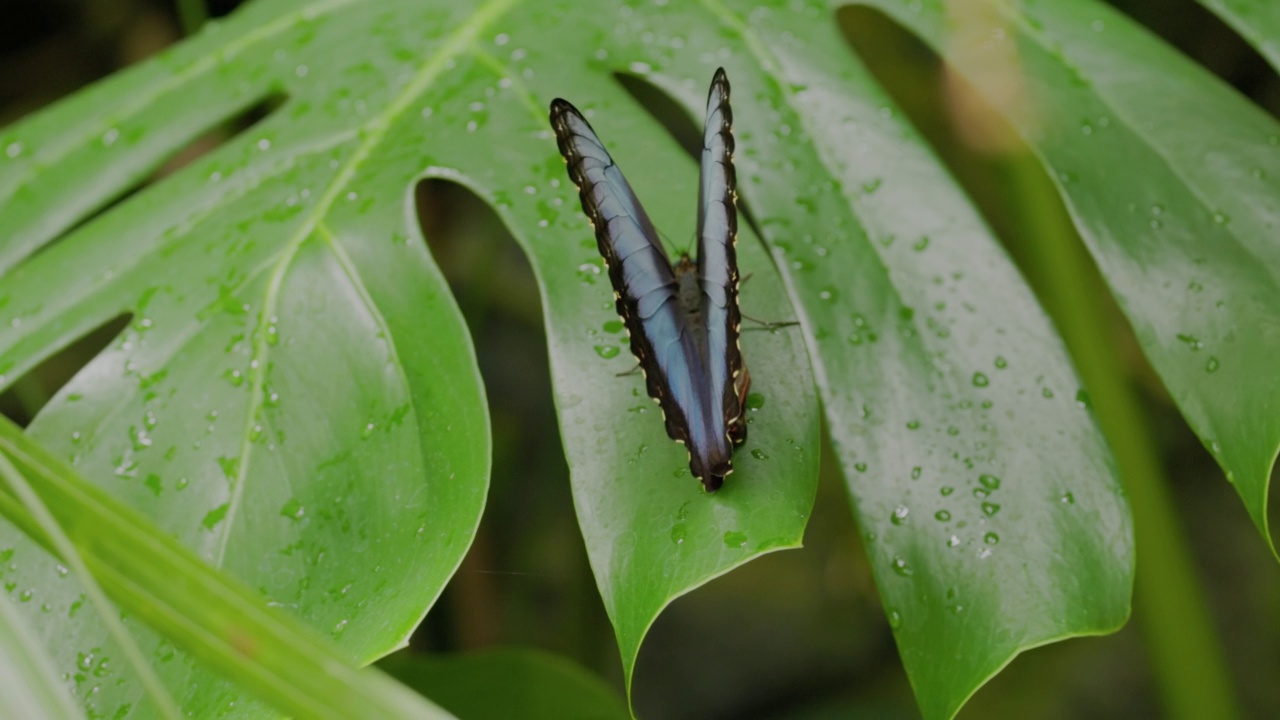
column 1190, row 249
column 295, row 396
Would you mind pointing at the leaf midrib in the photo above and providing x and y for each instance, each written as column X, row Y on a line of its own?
column 454, row 44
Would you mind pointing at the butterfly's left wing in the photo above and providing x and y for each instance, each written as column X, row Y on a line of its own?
column 718, row 262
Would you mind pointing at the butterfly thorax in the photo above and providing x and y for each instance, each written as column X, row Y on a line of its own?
column 690, row 292
column 689, row 295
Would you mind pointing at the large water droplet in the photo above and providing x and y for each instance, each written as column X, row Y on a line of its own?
column 1082, row 399
column 215, row 516
column 293, row 509
column 899, row 515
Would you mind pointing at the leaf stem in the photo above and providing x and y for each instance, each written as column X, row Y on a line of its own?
column 66, row 550
column 1185, row 654
column 212, row 616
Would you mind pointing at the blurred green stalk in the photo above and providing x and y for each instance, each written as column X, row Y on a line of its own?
column 192, row 14
column 1186, row 658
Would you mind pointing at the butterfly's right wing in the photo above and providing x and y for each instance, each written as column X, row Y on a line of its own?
column 718, row 263
column 643, row 283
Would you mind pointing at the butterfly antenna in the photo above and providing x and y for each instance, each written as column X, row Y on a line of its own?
column 666, row 239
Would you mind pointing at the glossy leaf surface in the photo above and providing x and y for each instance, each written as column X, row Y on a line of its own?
column 1179, row 209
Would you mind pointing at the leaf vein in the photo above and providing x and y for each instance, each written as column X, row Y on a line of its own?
column 454, row 45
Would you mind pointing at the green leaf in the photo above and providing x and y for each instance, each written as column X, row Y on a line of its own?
column 508, row 683
column 986, row 494
column 295, row 397
column 651, row 533
column 1177, row 208
column 1258, row 21
column 155, row 579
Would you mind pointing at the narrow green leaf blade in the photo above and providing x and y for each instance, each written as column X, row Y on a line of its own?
column 33, row 690
column 219, row 621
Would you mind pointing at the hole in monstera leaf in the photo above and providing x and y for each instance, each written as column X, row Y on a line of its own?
column 222, row 8
column 969, row 135
column 219, row 135
column 666, row 111
column 684, row 130
column 529, row 505
column 479, row 258
column 1192, row 28
column 217, row 132
column 30, row 393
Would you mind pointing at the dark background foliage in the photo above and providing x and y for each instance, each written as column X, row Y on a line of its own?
column 796, row 634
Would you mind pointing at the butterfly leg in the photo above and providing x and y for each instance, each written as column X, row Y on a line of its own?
column 767, row 325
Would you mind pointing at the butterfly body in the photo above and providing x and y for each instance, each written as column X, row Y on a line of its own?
column 683, row 318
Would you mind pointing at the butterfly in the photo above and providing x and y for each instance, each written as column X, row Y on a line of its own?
column 683, row 318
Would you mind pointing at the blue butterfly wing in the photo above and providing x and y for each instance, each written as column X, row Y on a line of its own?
column 718, row 265
column 667, row 341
